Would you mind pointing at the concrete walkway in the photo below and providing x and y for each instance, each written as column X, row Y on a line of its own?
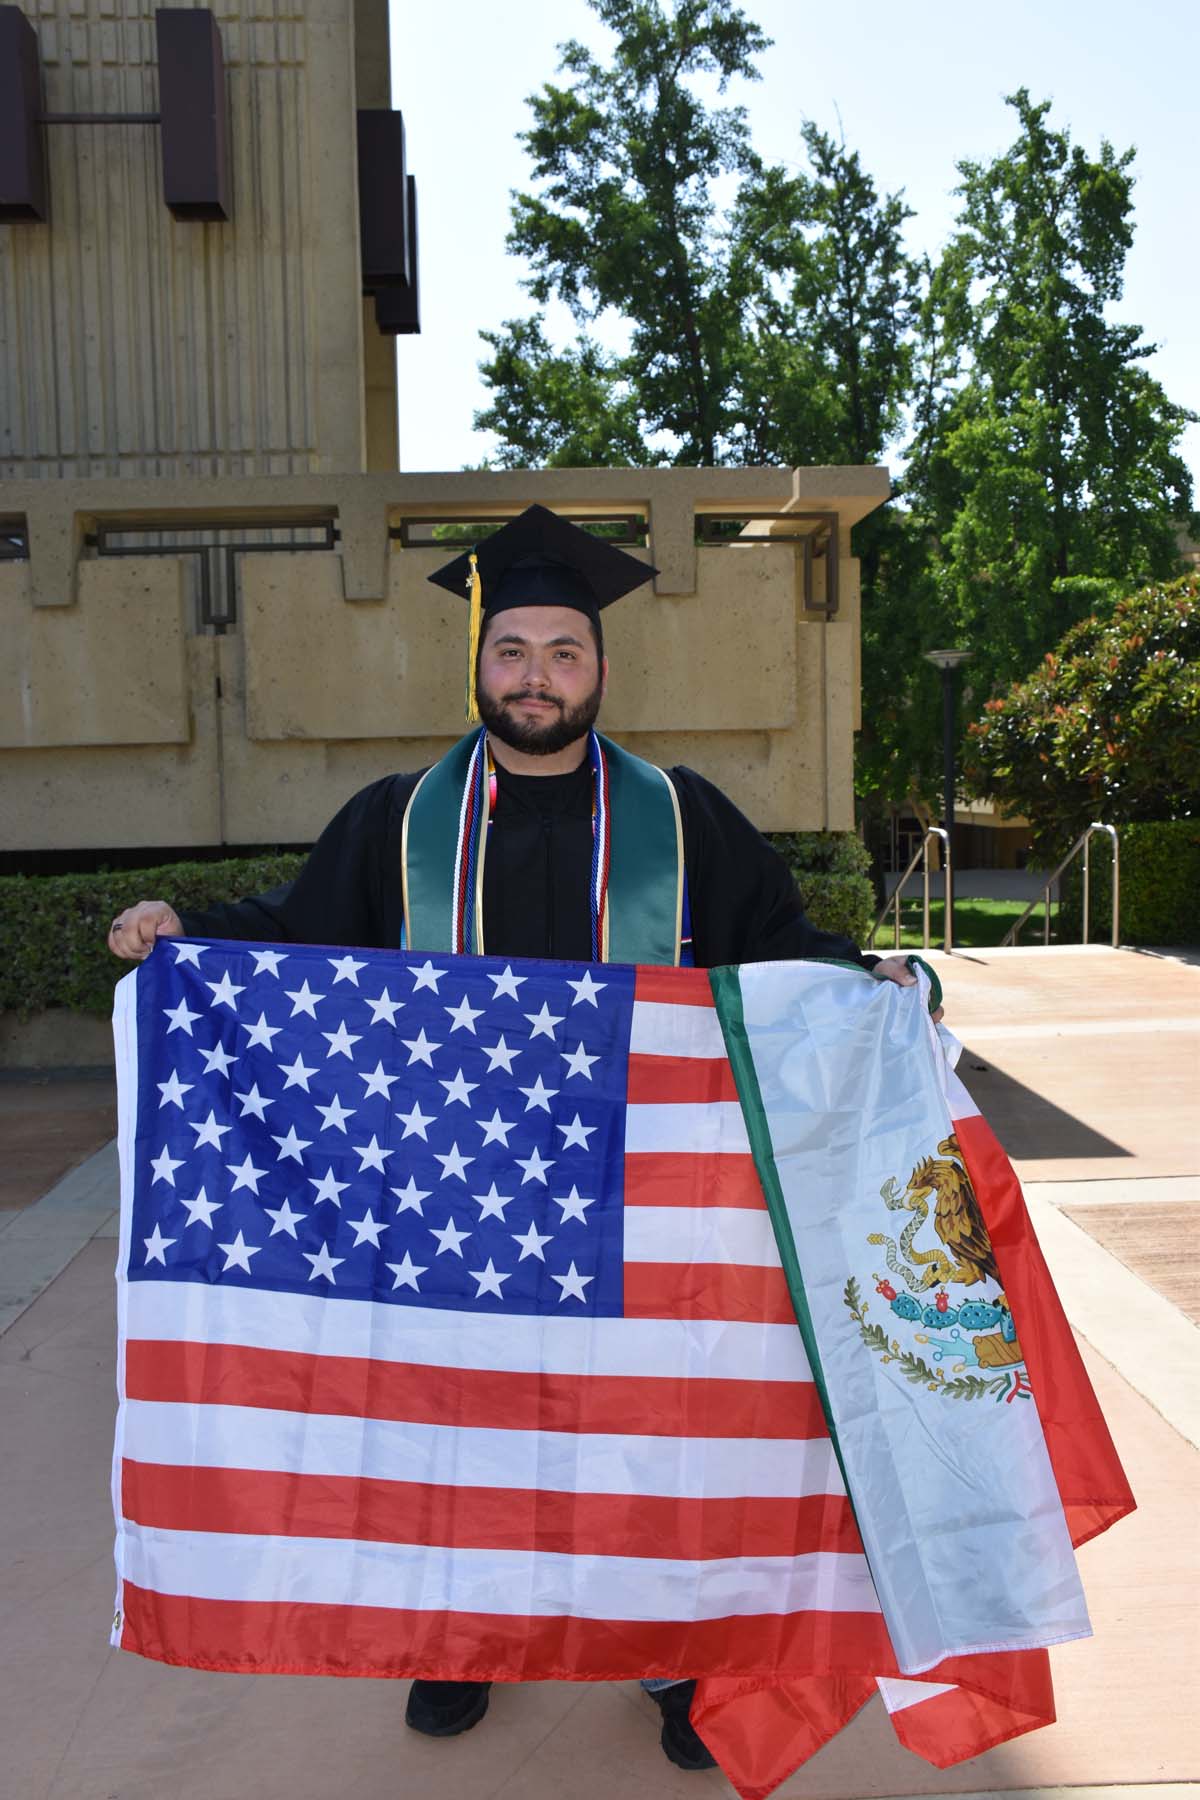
column 976, row 884
column 1086, row 1062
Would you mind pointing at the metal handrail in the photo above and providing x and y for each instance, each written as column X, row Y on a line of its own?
column 921, row 855
column 1082, row 842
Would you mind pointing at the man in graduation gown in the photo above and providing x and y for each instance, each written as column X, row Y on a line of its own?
column 534, row 837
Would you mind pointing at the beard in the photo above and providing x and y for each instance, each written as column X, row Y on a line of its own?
column 538, row 737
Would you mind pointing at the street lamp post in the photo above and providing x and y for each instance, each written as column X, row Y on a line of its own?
column 948, row 661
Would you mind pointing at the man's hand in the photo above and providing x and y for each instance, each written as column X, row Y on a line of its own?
column 895, row 968
column 133, row 932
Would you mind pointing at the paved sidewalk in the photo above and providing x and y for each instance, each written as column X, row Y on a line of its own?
column 1086, row 1061
column 975, row 884
column 1087, row 1064
column 49, row 1123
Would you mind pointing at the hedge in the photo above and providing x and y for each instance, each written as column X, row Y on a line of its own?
column 53, row 927
column 1160, row 885
column 833, row 873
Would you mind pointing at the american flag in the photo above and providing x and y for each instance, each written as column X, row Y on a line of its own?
column 455, row 1340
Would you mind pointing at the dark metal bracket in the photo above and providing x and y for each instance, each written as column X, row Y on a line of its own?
column 819, row 543
column 192, row 118
column 99, row 119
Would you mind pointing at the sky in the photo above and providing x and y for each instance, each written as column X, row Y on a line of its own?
column 916, row 88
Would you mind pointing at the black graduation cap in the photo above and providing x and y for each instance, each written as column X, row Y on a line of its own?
column 538, row 559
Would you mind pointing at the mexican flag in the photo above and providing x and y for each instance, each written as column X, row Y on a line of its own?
column 968, row 1434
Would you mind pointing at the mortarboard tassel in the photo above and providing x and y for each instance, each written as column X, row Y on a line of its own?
column 475, row 587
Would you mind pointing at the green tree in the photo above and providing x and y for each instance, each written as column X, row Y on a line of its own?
column 826, row 376
column 1042, row 470
column 624, row 222
column 898, row 750
column 807, row 297
column 574, row 409
column 826, row 365
column 830, row 302
column 776, row 332
column 1046, row 456
column 1106, row 727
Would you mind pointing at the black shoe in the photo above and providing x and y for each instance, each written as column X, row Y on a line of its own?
column 444, row 1708
column 681, row 1743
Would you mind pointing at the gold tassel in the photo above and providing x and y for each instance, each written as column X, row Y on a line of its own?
column 473, row 630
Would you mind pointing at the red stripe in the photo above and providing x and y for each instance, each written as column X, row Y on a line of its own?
column 356, row 1387
column 269, row 1637
column 761, row 1735
column 707, row 1291
column 266, row 1503
column 669, row 1178
column 1091, row 1481
column 657, row 1080
column 1002, row 1696
column 672, row 987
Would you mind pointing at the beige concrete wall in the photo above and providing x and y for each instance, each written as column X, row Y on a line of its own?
column 346, row 665
column 136, row 345
column 107, row 796
column 381, row 400
column 317, row 668
column 110, row 670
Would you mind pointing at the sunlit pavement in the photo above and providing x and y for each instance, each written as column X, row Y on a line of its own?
column 1088, row 1064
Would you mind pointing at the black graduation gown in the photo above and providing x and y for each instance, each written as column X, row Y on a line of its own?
column 744, row 903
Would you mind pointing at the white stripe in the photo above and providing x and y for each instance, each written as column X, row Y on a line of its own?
column 899, row 1694
column 947, row 1053
column 424, row 1578
column 707, row 1128
column 958, row 1101
column 126, row 1057
column 700, row 1234
column 195, row 1312
column 660, row 1029
column 252, row 1437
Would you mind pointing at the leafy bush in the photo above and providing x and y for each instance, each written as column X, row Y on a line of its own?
column 53, row 927
column 1107, row 727
column 833, row 873
column 1160, row 885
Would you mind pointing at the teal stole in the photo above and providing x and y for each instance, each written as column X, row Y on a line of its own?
column 638, row 871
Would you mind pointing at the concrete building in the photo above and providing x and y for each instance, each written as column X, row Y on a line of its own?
column 212, row 573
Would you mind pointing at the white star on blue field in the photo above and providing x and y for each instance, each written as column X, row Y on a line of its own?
column 382, row 1127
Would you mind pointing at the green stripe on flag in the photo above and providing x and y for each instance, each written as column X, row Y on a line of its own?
column 727, row 996
column 935, row 986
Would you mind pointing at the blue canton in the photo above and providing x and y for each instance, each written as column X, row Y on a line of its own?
column 424, row 1131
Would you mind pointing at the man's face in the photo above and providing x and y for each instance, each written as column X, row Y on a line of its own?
column 540, row 681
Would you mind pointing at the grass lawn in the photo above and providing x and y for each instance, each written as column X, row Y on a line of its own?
column 978, row 924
